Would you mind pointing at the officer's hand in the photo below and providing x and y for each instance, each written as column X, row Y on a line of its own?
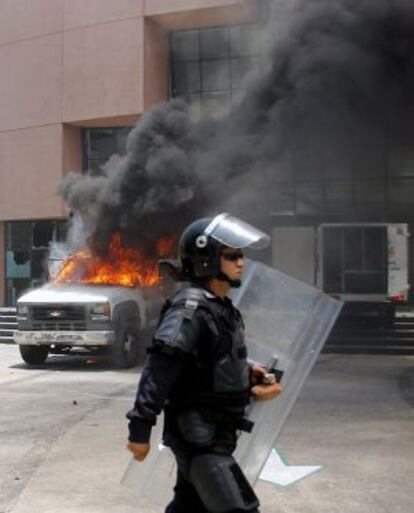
column 139, row 451
column 266, row 392
column 257, row 374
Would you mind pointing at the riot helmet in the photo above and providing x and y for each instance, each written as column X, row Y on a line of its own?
column 202, row 241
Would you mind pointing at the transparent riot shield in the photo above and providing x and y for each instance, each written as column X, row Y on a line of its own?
column 286, row 321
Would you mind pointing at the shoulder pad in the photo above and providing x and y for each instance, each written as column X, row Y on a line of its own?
column 191, row 298
column 177, row 329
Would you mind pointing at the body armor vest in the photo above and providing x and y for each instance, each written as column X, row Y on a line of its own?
column 218, row 374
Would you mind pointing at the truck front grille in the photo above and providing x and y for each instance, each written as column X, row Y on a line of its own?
column 59, row 326
column 58, row 314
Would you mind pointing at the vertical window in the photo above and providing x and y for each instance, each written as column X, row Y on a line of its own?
column 209, row 65
column 27, row 248
column 99, row 144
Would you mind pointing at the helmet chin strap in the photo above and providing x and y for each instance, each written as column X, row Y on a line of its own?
column 235, row 284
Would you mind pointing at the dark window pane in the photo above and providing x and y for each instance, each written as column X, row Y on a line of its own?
column 19, row 235
column 186, row 77
column 185, row 45
column 26, row 254
column 95, row 166
column 62, row 229
column 102, row 143
column 121, row 139
column 216, row 75
column 18, row 264
column 39, row 264
column 15, row 288
column 243, row 40
column 214, row 43
column 43, row 233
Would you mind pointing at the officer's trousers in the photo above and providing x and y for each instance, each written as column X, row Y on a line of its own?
column 186, row 499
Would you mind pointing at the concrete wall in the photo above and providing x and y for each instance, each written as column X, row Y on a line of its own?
column 79, row 13
column 153, row 7
column 102, row 72
column 30, row 167
column 25, row 19
column 30, row 82
column 182, row 14
column 72, row 149
column 156, row 68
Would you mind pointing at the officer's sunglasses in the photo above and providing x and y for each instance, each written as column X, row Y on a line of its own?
column 232, row 256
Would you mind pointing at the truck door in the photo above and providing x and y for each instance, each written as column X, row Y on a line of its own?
column 294, row 252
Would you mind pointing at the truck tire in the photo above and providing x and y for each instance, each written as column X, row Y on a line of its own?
column 34, row 355
column 125, row 349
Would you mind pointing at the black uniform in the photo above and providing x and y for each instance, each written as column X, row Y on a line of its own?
column 197, row 371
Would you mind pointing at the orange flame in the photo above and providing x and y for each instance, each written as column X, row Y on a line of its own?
column 127, row 267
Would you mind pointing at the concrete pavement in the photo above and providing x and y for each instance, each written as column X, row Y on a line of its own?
column 62, row 438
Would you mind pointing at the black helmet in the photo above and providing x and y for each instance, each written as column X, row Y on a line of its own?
column 199, row 253
column 201, row 242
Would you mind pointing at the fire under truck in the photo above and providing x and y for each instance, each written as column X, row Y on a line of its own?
column 363, row 264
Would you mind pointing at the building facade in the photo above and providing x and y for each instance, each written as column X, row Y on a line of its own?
column 75, row 77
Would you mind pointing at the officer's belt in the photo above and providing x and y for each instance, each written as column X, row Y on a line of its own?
column 230, row 419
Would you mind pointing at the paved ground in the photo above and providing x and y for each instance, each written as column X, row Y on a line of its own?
column 62, row 437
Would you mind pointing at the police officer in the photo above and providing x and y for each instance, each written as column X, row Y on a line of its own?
column 198, row 372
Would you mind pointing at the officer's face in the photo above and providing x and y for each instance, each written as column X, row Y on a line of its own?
column 232, row 263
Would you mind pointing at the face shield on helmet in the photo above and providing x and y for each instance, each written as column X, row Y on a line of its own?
column 231, row 231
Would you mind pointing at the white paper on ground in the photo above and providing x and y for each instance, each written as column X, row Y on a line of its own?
column 278, row 472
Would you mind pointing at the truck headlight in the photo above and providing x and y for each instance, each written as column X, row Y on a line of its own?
column 100, row 312
column 22, row 312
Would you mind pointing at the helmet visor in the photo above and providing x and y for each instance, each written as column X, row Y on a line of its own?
column 233, row 232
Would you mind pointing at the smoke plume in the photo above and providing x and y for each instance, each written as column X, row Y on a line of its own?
column 336, row 88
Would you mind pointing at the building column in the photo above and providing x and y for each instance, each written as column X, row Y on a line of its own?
column 2, row 263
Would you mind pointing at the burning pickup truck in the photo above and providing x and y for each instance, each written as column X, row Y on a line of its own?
column 102, row 305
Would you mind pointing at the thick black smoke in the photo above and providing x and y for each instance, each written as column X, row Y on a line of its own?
column 338, row 86
column 151, row 192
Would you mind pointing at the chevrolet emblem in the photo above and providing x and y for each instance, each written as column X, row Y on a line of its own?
column 55, row 314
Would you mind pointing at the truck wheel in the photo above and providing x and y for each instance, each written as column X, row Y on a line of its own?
column 125, row 350
column 34, row 355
